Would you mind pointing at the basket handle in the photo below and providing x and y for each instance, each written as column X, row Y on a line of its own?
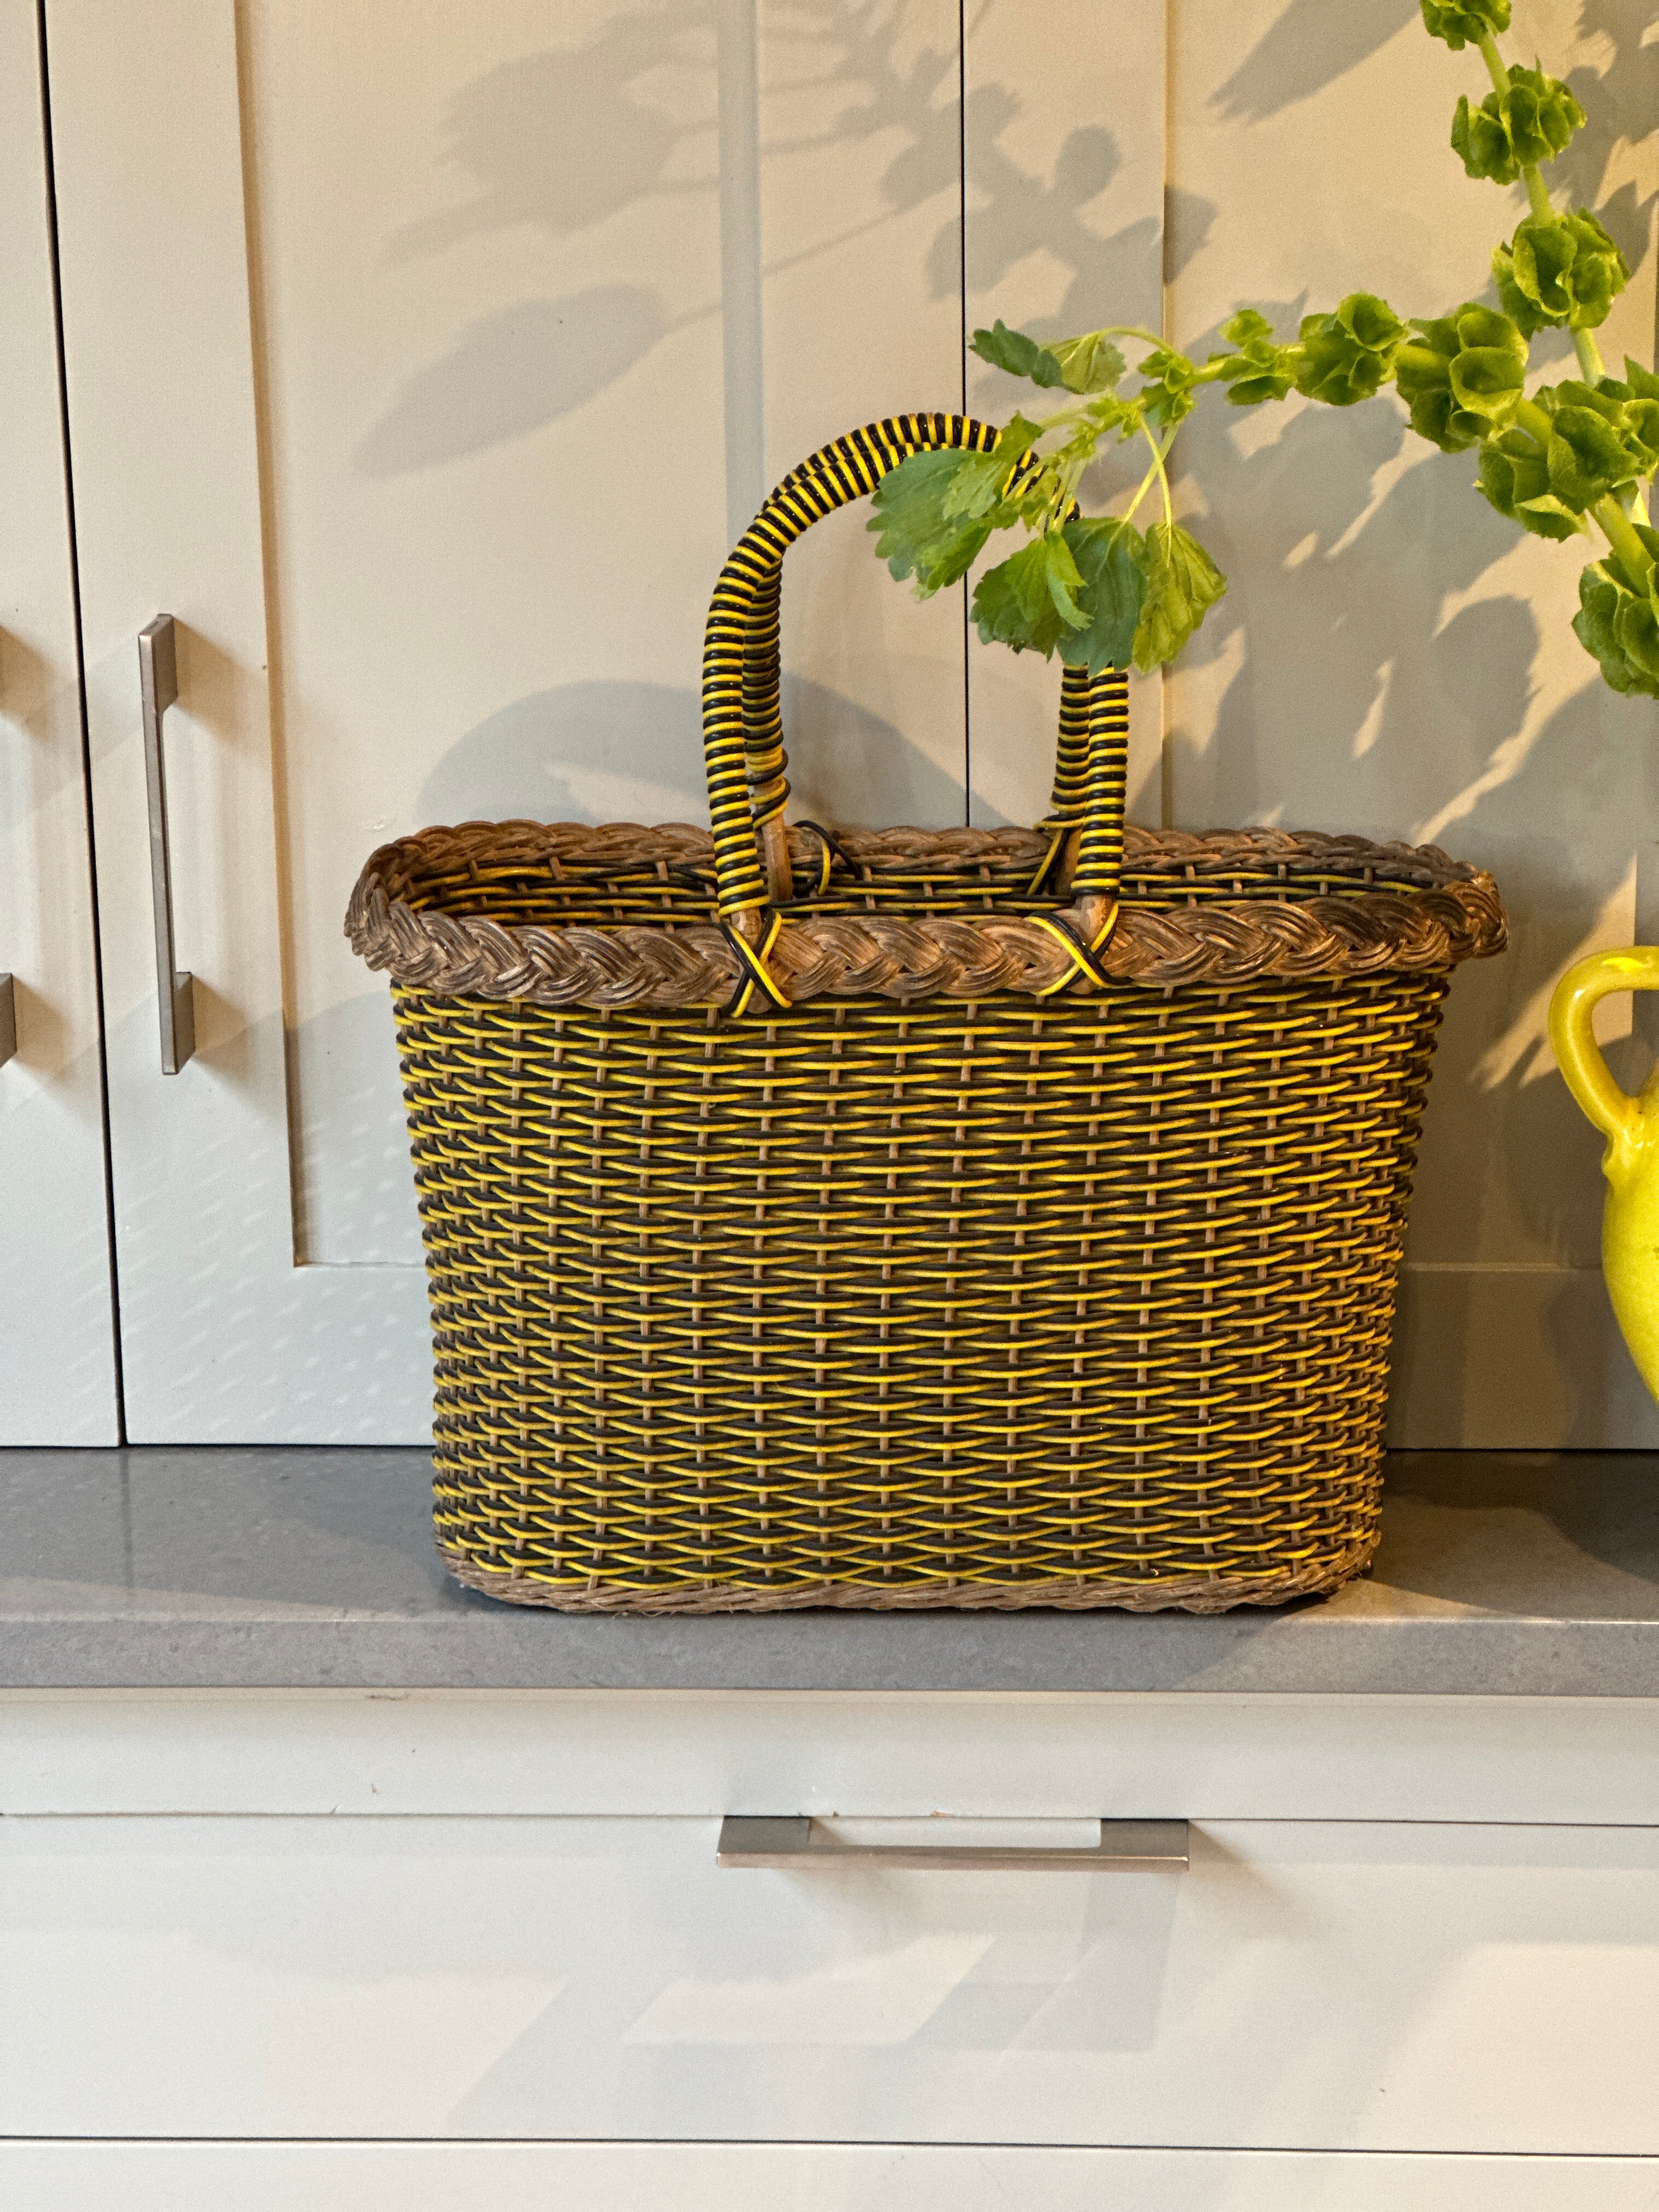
column 743, row 718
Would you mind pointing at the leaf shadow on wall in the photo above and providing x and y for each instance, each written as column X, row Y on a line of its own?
column 1017, row 216
column 1369, row 671
column 513, row 371
column 1311, row 45
column 567, row 754
column 566, row 140
column 1380, row 715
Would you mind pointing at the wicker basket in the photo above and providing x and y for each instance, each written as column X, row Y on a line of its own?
column 895, row 1220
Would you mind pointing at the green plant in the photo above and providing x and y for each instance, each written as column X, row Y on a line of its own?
column 1560, row 461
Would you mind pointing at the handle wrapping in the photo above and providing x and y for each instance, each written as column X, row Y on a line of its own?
column 742, row 715
column 742, row 711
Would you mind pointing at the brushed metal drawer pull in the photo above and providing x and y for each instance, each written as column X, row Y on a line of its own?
column 7, row 1019
column 158, row 684
column 794, row 1840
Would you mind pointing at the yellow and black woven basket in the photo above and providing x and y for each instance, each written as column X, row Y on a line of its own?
column 899, row 1219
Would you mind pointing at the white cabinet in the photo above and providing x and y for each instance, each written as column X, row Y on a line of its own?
column 57, row 1326
column 422, row 372
column 1303, row 1985
column 1415, row 1937
column 803, row 2177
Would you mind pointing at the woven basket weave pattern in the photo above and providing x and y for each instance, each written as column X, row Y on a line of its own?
column 1087, row 1306
column 847, row 1220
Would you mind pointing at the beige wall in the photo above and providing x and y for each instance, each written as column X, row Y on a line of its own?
column 1392, row 658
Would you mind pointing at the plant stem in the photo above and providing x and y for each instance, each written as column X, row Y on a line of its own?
column 1590, row 363
column 1159, row 452
column 1589, row 356
column 1537, row 198
column 1621, row 534
column 1497, row 67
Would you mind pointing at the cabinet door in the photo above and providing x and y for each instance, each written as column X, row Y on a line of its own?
column 1304, row 1985
column 57, row 1333
column 422, row 365
column 268, row 2176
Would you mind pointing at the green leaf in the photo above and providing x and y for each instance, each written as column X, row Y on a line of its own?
column 1090, row 363
column 1619, row 627
column 1547, row 509
column 1111, row 413
column 1642, row 381
column 1586, row 457
column 1259, row 370
column 1065, row 580
column 1018, row 355
column 1181, row 584
column 1248, row 325
column 1514, row 478
column 1634, row 416
column 980, row 480
column 1464, row 23
column 1347, row 356
column 1462, row 376
column 1167, row 395
column 1109, row 555
column 1533, row 121
column 1013, row 606
column 1641, row 434
column 1481, row 143
column 1005, row 348
column 914, row 535
column 1564, row 271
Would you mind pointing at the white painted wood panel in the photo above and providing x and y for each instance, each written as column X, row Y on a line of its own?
column 56, row 1328
column 476, row 341
column 223, row 1335
column 1065, row 161
column 1394, row 659
column 1207, row 1757
column 1308, row 1985
column 807, row 2178
column 861, row 247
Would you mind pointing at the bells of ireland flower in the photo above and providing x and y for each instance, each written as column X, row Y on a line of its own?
column 1347, row 356
column 1465, row 23
column 1598, row 440
column 1259, row 370
column 1514, row 478
column 1462, row 375
column 1618, row 619
column 1512, row 130
column 1563, row 271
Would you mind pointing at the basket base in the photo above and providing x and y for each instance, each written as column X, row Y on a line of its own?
column 1180, row 1594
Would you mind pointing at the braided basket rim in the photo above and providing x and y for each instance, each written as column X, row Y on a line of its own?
column 1413, row 909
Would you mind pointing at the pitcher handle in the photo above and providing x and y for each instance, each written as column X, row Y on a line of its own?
column 1590, row 1080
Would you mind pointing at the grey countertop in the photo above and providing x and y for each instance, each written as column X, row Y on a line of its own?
column 1500, row 1574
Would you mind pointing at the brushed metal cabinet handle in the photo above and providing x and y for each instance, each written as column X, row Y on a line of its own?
column 158, row 684
column 7, row 1019
column 794, row 1840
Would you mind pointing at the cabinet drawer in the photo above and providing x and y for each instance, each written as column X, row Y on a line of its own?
column 1314, row 1985
column 144, row 2176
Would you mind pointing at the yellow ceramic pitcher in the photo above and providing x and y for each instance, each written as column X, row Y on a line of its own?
column 1630, row 1226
